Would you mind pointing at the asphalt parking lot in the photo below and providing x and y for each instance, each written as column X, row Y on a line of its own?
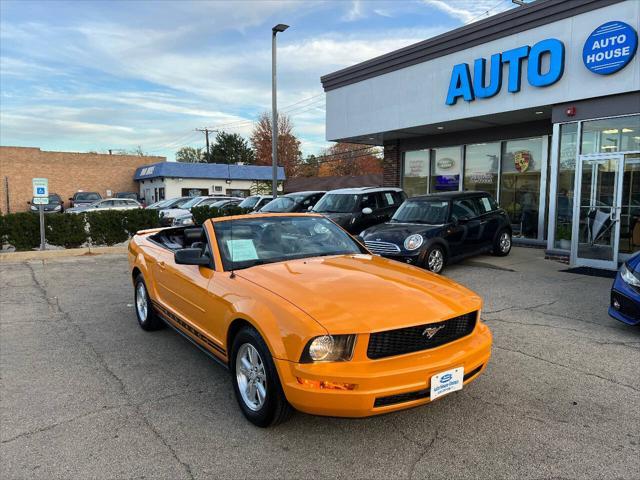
column 85, row 393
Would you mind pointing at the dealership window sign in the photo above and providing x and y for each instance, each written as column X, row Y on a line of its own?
column 609, row 48
column 463, row 85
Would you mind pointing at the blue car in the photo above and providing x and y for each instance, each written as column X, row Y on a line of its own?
column 625, row 293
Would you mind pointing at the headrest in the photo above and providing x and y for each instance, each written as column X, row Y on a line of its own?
column 194, row 234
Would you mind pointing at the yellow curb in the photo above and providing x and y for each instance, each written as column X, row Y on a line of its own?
column 12, row 257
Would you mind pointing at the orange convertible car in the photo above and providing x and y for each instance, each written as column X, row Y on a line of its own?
column 305, row 317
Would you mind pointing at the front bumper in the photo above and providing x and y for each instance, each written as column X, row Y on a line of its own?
column 628, row 302
column 384, row 385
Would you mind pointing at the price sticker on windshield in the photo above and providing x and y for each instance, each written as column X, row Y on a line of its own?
column 242, row 250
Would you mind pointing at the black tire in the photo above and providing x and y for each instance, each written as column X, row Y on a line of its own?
column 502, row 246
column 147, row 319
column 435, row 259
column 275, row 408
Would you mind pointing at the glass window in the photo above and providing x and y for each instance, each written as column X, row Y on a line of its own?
column 423, row 210
column 445, row 169
column 484, row 205
column 481, row 167
column 520, row 184
column 567, row 152
column 609, row 135
column 630, row 213
column 415, row 180
column 464, row 209
column 369, row 201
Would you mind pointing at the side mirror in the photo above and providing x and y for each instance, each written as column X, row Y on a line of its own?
column 191, row 256
column 28, row 202
column 367, row 211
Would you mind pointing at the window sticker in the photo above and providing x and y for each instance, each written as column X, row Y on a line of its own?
column 389, row 198
column 486, row 204
column 242, row 250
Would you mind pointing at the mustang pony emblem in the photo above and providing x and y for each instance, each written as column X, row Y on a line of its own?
column 430, row 332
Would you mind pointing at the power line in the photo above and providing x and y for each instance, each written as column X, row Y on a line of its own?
column 484, row 13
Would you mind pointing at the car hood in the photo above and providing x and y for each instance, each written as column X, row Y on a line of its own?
column 174, row 212
column 363, row 293
column 398, row 232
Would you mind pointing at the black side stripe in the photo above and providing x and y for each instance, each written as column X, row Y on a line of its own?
column 163, row 312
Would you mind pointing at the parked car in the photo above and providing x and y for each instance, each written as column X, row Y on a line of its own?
column 432, row 230
column 182, row 215
column 227, row 204
column 293, row 202
column 107, row 204
column 81, row 198
column 169, row 203
column 129, row 195
column 305, row 318
column 256, row 202
column 355, row 209
column 55, row 205
column 625, row 293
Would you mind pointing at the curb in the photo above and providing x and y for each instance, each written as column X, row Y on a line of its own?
column 13, row 257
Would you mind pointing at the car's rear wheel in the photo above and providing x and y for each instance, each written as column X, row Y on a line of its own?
column 435, row 259
column 502, row 244
column 147, row 317
column 255, row 380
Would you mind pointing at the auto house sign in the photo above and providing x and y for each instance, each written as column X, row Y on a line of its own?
column 610, row 47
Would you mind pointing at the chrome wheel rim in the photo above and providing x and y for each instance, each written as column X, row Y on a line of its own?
column 251, row 377
column 505, row 242
column 435, row 260
column 141, row 301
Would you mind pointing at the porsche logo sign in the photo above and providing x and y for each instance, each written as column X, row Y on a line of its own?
column 522, row 160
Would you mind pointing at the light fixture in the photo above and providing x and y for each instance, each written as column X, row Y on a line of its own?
column 281, row 27
column 228, row 180
column 440, row 128
column 627, row 130
column 610, row 131
column 539, row 112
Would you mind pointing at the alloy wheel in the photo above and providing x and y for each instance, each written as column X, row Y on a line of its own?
column 435, row 260
column 505, row 242
column 251, row 377
column 141, row 301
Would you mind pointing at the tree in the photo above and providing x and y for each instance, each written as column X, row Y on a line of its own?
column 289, row 154
column 138, row 151
column 189, row 155
column 309, row 166
column 230, row 148
column 346, row 159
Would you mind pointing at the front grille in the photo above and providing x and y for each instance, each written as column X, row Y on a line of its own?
column 415, row 395
column 382, row 248
column 414, row 339
column 627, row 307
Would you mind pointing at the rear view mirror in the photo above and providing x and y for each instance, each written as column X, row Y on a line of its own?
column 191, row 256
column 367, row 211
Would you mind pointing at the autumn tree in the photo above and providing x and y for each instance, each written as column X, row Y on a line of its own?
column 230, row 148
column 309, row 166
column 346, row 159
column 289, row 154
column 189, row 155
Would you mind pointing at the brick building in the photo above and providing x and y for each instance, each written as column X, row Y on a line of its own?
column 67, row 172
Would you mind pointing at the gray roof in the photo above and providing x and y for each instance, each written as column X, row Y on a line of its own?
column 217, row 171
column 305, row 184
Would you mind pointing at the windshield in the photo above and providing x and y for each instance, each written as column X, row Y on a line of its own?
column 249, row 202
column 248, row 242
column 190, row 203
column 280, row 204
column 87, row 196
column 129, row 195
column 432, row 212
column 337, row 203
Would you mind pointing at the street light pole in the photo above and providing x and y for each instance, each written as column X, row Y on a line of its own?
column 274, row 109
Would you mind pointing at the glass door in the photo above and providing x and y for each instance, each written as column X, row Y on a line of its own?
column 596, row 216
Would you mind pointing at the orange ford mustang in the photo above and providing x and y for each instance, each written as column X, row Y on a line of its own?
column 305, row 317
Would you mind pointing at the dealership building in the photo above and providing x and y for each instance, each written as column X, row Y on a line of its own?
column 539, row 105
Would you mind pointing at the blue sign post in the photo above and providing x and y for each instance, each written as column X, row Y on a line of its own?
column 610, row 47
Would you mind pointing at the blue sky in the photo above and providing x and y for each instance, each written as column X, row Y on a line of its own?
column 94, row 75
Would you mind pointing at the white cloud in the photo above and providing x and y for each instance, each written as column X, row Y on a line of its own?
column 355, row 12
column 470, row 10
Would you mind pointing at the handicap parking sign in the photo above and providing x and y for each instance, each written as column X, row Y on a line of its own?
column 40, row 187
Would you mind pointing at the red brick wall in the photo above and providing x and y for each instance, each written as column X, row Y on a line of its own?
column 67, row 173
column 391, row 165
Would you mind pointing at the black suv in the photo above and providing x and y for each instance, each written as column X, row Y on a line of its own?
column 433, row 230
column 355, row 209
column 81, row 199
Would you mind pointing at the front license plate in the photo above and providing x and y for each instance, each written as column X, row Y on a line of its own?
column 446, row 382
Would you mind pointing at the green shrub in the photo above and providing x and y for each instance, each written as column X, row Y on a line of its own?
column 107, row 227
column 22, row 230
column 3, row 230
column 67, row 231
column 200, row 214
column 136, row 220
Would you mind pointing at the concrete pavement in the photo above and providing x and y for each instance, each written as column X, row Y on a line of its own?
column 87, row 394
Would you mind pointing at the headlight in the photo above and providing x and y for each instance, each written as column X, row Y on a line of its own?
column 413, row 242
column 628, row 276
column 329, row 348
column 57, row 207
column 34, row 208
column 183, row 221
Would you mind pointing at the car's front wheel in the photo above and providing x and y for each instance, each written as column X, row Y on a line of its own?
column 255, row 380
column 502, row 244
column 147, row 317
column 435, row 259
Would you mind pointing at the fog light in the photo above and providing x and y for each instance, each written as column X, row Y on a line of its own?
column 325, row 384
column 616, row 304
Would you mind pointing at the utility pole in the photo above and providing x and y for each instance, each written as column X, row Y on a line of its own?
column 274, row 109
column 206, row 134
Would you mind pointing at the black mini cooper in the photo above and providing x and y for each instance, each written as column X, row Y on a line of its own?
column 433, row 230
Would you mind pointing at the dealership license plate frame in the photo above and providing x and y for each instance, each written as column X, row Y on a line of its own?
column 441, row 386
